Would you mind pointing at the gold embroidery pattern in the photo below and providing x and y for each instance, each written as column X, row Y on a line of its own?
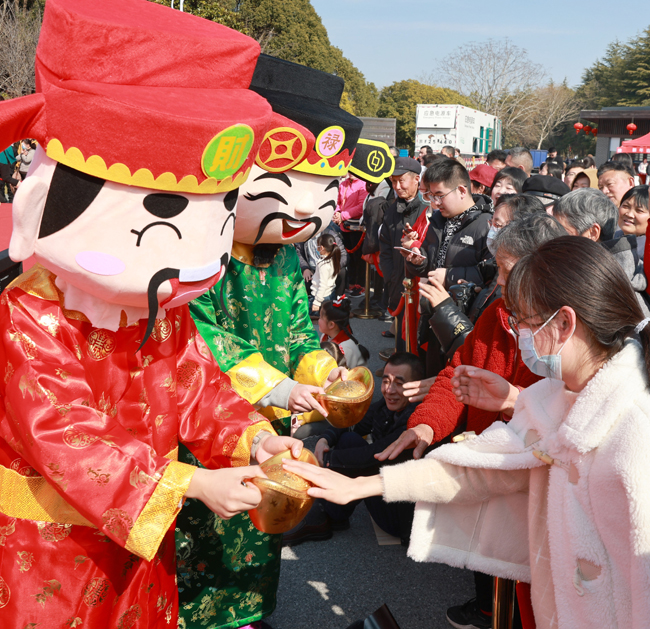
column 9, row 372
column 6, row 531
column 139, row 479
column 242, row 452
column 77, row 439
column 5, row 593
column 25, row 560
column 160, row 511
column 247, row 378
column 33, row 498
column 190, row 375
column 162, row 330
column 129, row 617
column 118, row 522
column 53, row 532
column 229, row 444
column 29, row 347
column 101, row 478
column 95, row 591
column 51, row 323
column 24, row 470
column 49, row 590
column 101, row 344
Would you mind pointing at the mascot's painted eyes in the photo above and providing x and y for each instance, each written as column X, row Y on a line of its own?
column 164, row 205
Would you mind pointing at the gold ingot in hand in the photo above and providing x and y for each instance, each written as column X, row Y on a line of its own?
column 346, row 402
column 285, row 501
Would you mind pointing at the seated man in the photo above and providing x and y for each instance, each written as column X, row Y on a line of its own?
column 346, row 451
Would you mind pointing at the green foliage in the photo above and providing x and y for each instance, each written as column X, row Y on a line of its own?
column 291, row 30
column 621, row 77
column 400, row 101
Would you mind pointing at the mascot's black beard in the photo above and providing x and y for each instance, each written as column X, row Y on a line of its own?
column 155, row 282
column 264, row 254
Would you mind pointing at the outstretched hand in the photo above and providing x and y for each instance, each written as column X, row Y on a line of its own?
column 483, row 389
column 417, row 390
column 333, row 486
column 419, row 437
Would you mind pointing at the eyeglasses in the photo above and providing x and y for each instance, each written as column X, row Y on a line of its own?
column 514, row 323
column 436, row 198
column 492, row 223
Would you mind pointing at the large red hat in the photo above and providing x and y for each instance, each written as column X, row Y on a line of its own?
column 136, row 93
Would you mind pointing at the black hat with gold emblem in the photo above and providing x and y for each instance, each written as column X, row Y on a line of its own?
column 372, row 161
column 311, row 98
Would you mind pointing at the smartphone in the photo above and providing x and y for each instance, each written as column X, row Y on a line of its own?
column 417, row 255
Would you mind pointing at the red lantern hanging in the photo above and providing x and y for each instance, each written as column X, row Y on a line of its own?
column 594, row 131
column 587, row 129
column 577, row 126
column 631, row 128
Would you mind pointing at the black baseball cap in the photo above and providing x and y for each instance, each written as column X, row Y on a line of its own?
column 406, row 165
column 548, row 189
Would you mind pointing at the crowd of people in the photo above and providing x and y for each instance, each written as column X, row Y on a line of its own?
column 522, row 277
column 163, row 363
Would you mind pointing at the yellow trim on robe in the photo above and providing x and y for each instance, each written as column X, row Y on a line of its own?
column 33, row 498
column 160, row 511
column 253, row 378
column 314, row 368
column 242, row 453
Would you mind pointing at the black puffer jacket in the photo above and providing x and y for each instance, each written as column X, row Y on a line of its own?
column 451, row 325
column 397, row 214
column 468, row 247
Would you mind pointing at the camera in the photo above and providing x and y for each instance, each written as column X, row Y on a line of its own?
column 463, row 295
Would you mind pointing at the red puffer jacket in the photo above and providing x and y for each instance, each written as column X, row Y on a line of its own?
column 490, row 345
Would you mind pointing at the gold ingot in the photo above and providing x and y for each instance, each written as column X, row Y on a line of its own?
column 285, row 501
column 346, row 402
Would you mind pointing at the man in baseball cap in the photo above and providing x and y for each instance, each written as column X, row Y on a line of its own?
column 547, row 189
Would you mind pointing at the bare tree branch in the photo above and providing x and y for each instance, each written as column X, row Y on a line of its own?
column 498, row 77
column 19, row 31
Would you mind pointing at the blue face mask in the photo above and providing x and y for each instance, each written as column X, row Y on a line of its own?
column 549, row 366
column 490, row 240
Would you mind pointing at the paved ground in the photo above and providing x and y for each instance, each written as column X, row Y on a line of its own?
column 328, row 585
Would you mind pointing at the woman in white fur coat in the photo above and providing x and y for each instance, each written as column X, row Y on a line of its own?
column 560, row 495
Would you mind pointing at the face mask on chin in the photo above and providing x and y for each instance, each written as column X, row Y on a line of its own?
column 549, row 366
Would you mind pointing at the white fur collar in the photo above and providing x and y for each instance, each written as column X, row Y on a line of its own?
column 597, row 407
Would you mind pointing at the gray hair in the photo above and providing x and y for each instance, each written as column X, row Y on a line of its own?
column 524, row 235
column 586, row 207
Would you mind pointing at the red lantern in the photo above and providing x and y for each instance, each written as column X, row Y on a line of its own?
column 631, row 128
column 577, row 126
column 587, row 129
column 594, row 131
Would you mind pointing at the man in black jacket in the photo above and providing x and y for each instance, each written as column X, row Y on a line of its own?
column 406, row 208
column 346, row 451
column 455, row 244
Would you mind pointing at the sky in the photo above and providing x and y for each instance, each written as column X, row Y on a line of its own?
column 390, row 41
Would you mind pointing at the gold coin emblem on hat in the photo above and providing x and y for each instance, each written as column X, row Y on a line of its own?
column 376, row 161
column 277, row 152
